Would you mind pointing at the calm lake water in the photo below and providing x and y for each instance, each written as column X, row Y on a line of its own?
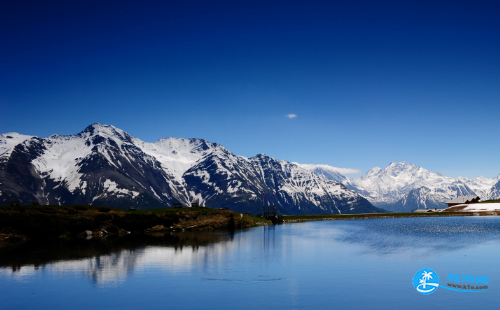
column 355, row 264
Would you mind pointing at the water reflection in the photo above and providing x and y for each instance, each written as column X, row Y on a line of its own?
column 110, row 260
column 315, row 265
column 269, row 238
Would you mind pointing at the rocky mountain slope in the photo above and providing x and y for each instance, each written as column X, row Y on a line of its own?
column 103, row 165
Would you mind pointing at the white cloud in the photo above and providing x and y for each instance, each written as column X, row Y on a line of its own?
column 330, row 168
column 291, row 115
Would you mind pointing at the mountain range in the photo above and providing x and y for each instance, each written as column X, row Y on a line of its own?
column 404, row 187
column 103, row 165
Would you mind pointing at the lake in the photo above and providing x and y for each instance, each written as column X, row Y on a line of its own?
column 350, row 264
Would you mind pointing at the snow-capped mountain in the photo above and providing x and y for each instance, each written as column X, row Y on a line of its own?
column 104, row 165
column 406, row 187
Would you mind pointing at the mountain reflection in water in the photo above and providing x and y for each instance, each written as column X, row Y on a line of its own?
column 313, row 265
column 111, row 259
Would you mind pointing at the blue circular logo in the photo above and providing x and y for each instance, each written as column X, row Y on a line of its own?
column 426, row 281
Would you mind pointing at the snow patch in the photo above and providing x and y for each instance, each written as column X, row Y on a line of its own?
column 477, row 207
column 154, row 192
column 112, row 187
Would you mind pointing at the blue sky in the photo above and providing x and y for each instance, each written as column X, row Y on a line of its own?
column 371, row 82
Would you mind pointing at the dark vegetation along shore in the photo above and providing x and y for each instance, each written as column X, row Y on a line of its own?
column 18, row 223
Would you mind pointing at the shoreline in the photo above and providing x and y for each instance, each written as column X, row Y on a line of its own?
column 365, row 216
column 22, row 223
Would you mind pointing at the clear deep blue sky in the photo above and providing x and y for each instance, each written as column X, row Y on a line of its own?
column 371, row 82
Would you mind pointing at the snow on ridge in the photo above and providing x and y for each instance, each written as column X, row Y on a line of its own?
column 61, row 157
column 9, row 140
column 177, row 155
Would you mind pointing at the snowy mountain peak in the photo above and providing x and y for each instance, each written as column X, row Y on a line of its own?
column 397, row 168
column 91, row 129
column 398, row 172
column 399, row 163
column 105, row 131
column 373, row 171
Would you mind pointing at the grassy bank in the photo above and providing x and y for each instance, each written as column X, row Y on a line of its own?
column 327, row 217
column 31, row 222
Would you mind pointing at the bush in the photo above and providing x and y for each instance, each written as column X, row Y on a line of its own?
column 104, row 210
column 81, row 208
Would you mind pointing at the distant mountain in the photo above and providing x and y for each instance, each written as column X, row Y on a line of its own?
column 329, row 172
column 406, row 187
column 103, row 165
